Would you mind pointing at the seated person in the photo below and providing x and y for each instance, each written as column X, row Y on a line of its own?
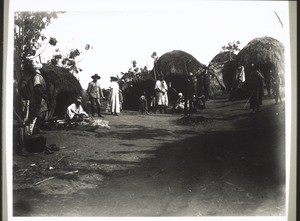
column 75, row 111
column 179, row 105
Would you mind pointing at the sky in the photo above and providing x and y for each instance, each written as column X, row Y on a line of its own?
column 122, row 31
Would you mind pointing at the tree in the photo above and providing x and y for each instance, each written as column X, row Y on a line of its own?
column 28, row 37
column 232, row 47
column 69, row 60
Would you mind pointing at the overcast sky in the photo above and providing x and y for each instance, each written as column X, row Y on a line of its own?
column 123, row 31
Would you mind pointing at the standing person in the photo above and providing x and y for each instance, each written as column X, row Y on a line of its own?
column 95, row 93
column 275, row 79
column 115, row 99
column 121, row 99
column 39, row 97
column 143, row 103
column 256, row 88
column 161, row 89
column 238, row 81
column 206, row 83
column 188, row 94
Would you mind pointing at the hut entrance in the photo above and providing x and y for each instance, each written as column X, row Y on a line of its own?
column 265, row 69
column 63, row 100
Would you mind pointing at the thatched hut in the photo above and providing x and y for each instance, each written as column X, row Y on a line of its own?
column 175, row 66
column 133, row 85
column 266, row 52
column 62, row 88
column 226, row 73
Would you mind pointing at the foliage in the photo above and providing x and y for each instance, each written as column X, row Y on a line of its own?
column 69, row 61
column 28, row 37
column 231, row 47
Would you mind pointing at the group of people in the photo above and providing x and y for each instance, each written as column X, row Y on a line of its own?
column 256, row 85
column 189, row 100
column 94, row 91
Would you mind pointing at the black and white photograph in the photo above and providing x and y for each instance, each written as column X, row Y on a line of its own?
column 148, row 109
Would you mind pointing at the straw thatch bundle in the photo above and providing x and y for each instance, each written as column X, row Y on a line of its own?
column 266, row 53
column 62, row 88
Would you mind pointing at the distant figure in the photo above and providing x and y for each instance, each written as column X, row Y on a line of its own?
column 206, row 83
column 179, row 105
column 256, row 89
column 237, row 83
column 268, row 82
column 188, row 94
column 121, row 99
column 75, row 112
column 143, row 104
column 115, row 99
column 161, row 89
column 95, row 93
column 275, row 80
column 153, row 104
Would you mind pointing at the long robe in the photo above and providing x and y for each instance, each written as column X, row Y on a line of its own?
column 115, row 99
column 161, row 93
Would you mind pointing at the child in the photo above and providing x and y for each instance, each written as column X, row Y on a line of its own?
column 143, row 105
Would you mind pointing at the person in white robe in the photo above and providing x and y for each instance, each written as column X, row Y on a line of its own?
column 115, row 97
column 75, row 111
column 161, row 89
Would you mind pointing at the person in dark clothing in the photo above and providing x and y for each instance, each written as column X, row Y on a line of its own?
column 206, row 83
column 275, row 79
column 256, row 89
column 188, row 94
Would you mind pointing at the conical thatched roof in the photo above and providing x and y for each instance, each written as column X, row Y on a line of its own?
column 265, row 52
column 177, row 63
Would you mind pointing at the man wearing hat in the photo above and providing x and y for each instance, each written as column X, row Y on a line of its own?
column 95, row 93
column 75, row 111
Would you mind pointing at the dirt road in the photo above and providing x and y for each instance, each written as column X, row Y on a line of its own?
column 223, row 161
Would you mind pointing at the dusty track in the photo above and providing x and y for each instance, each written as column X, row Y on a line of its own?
column 222, row 161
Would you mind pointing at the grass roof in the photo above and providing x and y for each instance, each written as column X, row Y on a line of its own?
column 177, row 62
column 61, row 78
column 263, row 51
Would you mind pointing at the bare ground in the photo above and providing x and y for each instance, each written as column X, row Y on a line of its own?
column 222, row 161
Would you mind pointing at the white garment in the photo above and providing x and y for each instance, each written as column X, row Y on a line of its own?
column 115, row 99
column 242, row 74
column 161, row 89
column 73, row 109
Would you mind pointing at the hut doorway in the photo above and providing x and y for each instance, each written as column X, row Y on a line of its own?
column 63, row 100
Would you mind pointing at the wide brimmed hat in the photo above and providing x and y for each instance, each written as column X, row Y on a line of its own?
column 95, row 76
column 115, row 78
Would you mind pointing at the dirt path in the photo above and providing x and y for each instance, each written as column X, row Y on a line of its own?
column 222, row 161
